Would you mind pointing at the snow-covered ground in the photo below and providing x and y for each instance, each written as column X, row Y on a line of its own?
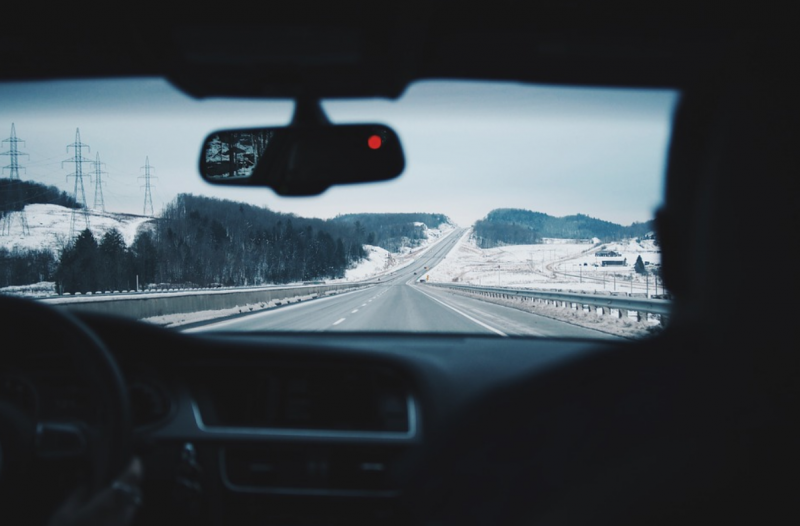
column 49, row 225
column 559, row 264
column 380, row 261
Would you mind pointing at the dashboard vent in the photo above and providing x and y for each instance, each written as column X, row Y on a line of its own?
column 331, row 398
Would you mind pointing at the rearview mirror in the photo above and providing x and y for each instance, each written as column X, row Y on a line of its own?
column 302, row 160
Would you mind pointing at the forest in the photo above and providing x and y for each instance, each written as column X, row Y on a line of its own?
column 207, row 242
column 24, row 267
column 511, row 226
column 391, row 231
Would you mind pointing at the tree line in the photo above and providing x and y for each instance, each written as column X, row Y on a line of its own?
column 202, row 241
column 15, row 194
column 392, row 231
column 511, row 226
column 25, row 267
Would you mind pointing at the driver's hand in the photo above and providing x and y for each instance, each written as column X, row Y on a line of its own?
column 115, row 505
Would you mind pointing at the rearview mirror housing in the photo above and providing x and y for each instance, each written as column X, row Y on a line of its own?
column 302, row 160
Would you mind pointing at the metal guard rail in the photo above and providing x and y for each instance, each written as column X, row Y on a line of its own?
column 653, row 306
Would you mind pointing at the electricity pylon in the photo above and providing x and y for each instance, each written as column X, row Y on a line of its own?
column 98, row 185
column 148, row 197
column 15, row 194
column 79, row 194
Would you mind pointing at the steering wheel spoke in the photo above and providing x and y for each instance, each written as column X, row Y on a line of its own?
column 60, row 440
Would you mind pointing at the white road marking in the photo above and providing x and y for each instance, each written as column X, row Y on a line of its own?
column 340, row 320
column 353, row 311
column 212, row 325
column 496, row 331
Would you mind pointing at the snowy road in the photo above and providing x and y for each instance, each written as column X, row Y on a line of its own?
column 400, row 304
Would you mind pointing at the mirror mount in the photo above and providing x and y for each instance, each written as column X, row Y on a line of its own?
column 308, row 112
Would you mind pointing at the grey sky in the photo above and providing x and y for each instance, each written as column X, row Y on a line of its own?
column 470, row 147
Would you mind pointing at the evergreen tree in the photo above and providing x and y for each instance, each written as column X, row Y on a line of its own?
column 113, row 262
column 639, row 266
column 144, row 258
column 77, row 267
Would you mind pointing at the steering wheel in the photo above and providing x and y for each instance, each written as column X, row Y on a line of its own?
column 32, row 450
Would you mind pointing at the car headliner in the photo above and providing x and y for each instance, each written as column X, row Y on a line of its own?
column 333, row 51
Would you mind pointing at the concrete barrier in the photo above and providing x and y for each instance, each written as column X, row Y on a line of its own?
column 147, row 305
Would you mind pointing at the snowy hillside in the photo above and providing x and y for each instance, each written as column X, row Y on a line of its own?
column 49, row 227
column 380, row 261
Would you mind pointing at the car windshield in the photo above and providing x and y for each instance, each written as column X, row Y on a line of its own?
column 523, row 210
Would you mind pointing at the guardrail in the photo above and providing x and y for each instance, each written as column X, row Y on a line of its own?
column 149, row 304
column 636, row 307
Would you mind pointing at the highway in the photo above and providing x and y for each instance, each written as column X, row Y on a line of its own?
column 399, row 303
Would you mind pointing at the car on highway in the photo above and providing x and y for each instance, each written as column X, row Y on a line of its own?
column 263, row 197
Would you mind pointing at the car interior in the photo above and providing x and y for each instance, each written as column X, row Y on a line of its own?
column 696, row 424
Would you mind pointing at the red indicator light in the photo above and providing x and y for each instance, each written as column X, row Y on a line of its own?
column 375, row 142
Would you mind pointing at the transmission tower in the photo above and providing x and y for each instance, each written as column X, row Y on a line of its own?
column 15, row 192
column 99, row 203
column 148, row 197
column 79, row 193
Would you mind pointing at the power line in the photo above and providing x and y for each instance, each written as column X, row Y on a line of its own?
column 148, row 197
column 14, row 189
column 79, row 194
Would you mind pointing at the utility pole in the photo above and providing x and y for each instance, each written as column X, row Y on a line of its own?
column 98, row 185
column 14, row 187
column 148, row 197
column 79, row 193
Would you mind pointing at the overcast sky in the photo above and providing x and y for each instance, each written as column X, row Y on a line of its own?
column 470, row 147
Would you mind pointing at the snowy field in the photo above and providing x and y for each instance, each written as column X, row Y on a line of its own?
column 556, row 264
column 49, row 227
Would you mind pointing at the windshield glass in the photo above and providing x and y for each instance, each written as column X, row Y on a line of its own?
column 519, row 206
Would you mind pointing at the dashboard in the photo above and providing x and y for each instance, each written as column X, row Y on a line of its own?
column 275, row 428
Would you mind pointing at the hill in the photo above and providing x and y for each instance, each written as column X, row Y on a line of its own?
column 392, row 232
column 512, row 226
column 32, row 256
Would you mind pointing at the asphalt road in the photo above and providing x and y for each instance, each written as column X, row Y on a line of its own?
column 399, row 303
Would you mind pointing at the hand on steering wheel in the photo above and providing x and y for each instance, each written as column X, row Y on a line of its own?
column 115, row 505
